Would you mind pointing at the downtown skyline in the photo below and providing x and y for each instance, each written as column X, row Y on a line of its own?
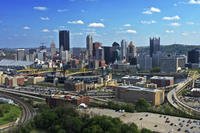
column 30, row 23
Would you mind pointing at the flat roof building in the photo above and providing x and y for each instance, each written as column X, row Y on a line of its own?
column 134, row 93
column 162, row 81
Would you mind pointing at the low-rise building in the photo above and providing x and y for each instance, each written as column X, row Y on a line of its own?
column 2, row 78
column 20, row 80
column 195, row 92
column 132, row 79
column 134, row 93
column 77, row 86
column 35, row 80
column 162, row 81
column 11, row 81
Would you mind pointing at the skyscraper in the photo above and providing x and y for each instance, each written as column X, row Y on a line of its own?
column 64, row 40
column 194, row 56
column 123, row 49
column 53, row 49
column 132, row 52
column 154, row 45
column 89, row 45
column 20, row 54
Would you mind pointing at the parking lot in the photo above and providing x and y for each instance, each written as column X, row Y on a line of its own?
column 155, row 122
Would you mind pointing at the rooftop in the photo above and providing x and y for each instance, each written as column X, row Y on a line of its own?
column 6, row 62
column 132, row 77
column 136, row 88
column 164, row 78
column 195, row 89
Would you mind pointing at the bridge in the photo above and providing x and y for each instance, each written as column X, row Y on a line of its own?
column 172, row 96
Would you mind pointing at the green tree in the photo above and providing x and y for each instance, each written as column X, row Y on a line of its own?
column 144, row 130
column 155, row 70
column 142, row 105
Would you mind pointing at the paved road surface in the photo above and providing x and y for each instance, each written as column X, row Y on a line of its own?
column 155, row 122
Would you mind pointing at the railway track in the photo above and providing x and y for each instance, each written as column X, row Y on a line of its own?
column 27, row 112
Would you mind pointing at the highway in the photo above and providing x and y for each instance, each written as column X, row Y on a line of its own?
column 175, row 102
column 27, row 112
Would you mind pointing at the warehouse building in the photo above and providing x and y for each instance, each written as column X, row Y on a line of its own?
column 134, row 93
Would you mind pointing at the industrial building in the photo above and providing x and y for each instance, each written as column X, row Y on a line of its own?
column 134, row 93
column 162, row 81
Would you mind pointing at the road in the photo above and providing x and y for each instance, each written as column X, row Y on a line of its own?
column 155, row 122
column 27, row 112
column 174, row 101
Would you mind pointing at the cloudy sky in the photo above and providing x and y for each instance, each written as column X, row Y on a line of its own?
column 29, row 23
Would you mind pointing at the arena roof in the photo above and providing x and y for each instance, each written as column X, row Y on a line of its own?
column 7, row 63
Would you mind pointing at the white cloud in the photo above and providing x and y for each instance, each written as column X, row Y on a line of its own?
column 194, row 2
column 26, row 28
column 152, row 10
column 76, row 22
column 175, row 24
column 190, row 23
column 147, row 12
column 62, row 10
column 96, row 25
column 131, row 31
column 169, row 31
column 45, row 30
column 40, row 8
column 127, row 25
column 184, row 34
column 172, row 18
column 148, row 22
column 45, row 18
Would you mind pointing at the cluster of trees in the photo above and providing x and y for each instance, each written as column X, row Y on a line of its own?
column 140, row 106
column 67, row 120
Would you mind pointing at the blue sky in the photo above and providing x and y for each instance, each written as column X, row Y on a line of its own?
column 28, row 23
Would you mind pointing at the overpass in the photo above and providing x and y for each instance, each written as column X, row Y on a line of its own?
column 172, row 96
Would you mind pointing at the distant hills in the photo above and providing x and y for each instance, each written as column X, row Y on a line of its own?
column 174, row 48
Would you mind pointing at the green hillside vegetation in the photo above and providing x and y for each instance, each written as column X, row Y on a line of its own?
column 9, row 113
column 174, row 48
column 68, row 120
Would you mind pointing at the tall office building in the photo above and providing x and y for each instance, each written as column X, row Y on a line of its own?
column 100, row 53
column 96, row 46
column 20, row 54
column 144, row 62
column 89, row 45
column 64, row 40
column 53, row 49
column 194, row 56
column 32, row 54
column 131, row 53
column 154, row 45
column 123, row 49
column 107, row 53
